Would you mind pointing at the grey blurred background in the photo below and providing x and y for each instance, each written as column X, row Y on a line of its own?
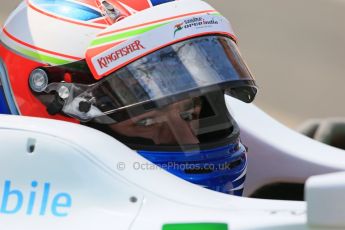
column 295, row 49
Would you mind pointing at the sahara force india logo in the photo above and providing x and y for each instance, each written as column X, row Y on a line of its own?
column 104, row 61
column 195, row 22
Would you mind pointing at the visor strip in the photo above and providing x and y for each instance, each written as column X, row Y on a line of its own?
column 116, row 37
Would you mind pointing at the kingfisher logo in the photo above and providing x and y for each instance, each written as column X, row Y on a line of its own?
column 195, row 22
column 36, row 200
column 104, row 61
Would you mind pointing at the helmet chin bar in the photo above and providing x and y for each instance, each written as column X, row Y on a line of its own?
column 71, row 100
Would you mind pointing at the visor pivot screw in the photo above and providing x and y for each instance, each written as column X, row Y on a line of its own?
column 55, row 106
column 63, row 92
column 38, row 80
column 84, row 106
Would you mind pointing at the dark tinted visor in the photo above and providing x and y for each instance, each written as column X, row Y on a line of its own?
column 193, row 123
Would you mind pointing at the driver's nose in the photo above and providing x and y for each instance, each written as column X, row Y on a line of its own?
column 181, row 130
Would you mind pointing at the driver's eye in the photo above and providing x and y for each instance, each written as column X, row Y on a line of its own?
column 187, row 115
column 146, row 122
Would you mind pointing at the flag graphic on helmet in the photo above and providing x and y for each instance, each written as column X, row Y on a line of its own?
column 178, row 27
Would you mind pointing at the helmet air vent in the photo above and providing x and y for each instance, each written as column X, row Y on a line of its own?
column 111, row 11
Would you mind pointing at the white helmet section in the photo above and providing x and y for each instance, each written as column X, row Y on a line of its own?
column 45, row 38
column 56, row 40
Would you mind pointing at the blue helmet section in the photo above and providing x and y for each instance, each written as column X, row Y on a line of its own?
column 4, row 109
column 158, row 2
column 68, row 9
column 7, row 104
column 221, row 169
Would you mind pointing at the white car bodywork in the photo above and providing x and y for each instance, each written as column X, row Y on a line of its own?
column 279, row 154
column 58, row 175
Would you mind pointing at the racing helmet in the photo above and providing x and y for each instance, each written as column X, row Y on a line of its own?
column 150, row 73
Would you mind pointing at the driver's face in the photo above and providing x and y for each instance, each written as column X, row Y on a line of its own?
column 176, row 123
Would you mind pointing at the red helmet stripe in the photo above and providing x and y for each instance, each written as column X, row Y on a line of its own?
column 37, row 48
column 137, row 4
